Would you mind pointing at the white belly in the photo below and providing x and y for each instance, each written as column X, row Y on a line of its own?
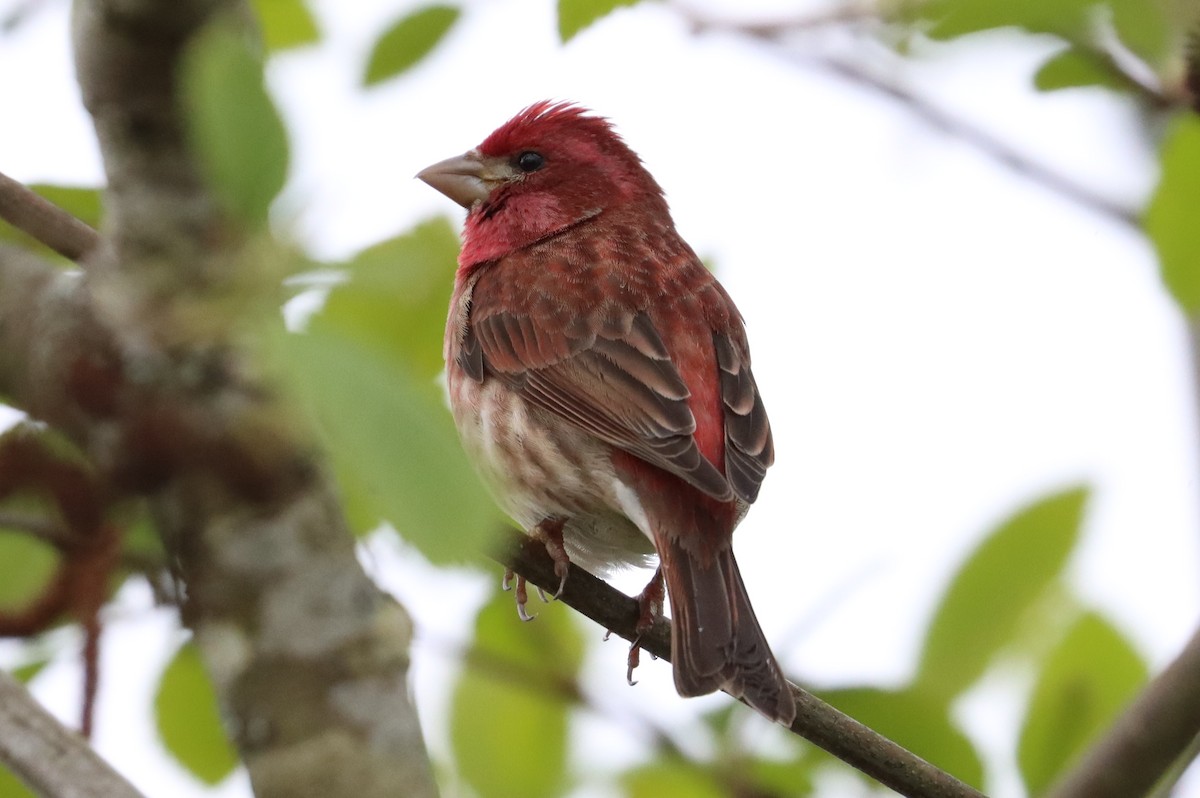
column 538, row 466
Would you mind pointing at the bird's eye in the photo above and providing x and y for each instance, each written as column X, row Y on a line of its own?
column 530, row 161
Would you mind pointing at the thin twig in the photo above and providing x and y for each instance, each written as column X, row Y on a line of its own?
column 980, row 139
column 816, row 721
column 44, row 221
column 51, row 759
column 934, row 115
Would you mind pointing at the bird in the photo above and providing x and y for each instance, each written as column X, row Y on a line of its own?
column 599, row 377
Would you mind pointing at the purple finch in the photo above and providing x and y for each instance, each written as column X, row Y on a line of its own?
column 600, row 379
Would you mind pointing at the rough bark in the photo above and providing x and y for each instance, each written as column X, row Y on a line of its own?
column 144, row 363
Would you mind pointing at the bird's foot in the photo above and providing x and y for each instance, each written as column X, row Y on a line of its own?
column 650, row 609
column 550, row 533
column 522, row 594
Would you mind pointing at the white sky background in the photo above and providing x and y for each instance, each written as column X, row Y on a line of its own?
column 938, row 340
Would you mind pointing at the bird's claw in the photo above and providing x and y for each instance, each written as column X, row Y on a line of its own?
column 522, row 596
column 650, row 609
column 635, row 651
column 550, row 533
column 650, row 602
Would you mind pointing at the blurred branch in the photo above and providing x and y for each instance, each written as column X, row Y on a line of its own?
column 854, row 72
column 1153, row 732
column 816, row 721
column 39, row 526
column 980, row 139
column 44, row 221
column 21, row 13
column 50, row 759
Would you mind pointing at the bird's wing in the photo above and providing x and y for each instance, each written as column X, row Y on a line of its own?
column 749, row 448
column 607, row 371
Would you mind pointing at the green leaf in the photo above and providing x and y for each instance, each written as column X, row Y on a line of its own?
column 393, row 444
column 286, row 24
column 397, row 297
column 27, row 673
column 575, row 15
column 142, row 542
column 11, row 786
column 407, row 41
column 672, row 779
column 953, row 18
column 1085, row 682
column 1170, row 218
column 1142, row 26
column 236, row 129
column 1072, row 68
column 916, row 719
column 1002, row 579
column 185, row 710
column 510, row 710
column 26, row 565
column 782, row 777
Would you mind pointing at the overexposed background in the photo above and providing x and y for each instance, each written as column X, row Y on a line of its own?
column 938, row 339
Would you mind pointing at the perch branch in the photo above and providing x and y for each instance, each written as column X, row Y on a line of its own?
column 816, row 721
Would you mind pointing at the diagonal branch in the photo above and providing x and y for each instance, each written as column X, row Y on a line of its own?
column 818, row 722
column 44, row 221
column 983, row 141
column 775, row 33
column 49, row 758
column 1153, row 732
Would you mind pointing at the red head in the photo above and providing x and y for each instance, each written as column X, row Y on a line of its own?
column 550, row 167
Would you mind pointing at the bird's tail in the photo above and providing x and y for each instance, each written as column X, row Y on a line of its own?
column 716, row 642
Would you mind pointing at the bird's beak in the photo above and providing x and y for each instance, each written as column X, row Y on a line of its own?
column 466, row 178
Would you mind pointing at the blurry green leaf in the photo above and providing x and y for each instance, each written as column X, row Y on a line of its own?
column 26, row 565
column 1072, row 68
column 998, row 584
column 27, row 673
column 782, row 777
column 1170, row 218
column 185, row 710
column 671, row 779
column 392, row 435
column 952, row 18
column 407, row 41
column 1142, row 26
column 1085, row 681
column 575, row 15
column 397, row 297
column 235, row 127
column 286, row 23
column 11, row 786
column 508, row 722
column 917, row 720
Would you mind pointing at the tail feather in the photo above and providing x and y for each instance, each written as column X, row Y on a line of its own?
column 716, row 642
